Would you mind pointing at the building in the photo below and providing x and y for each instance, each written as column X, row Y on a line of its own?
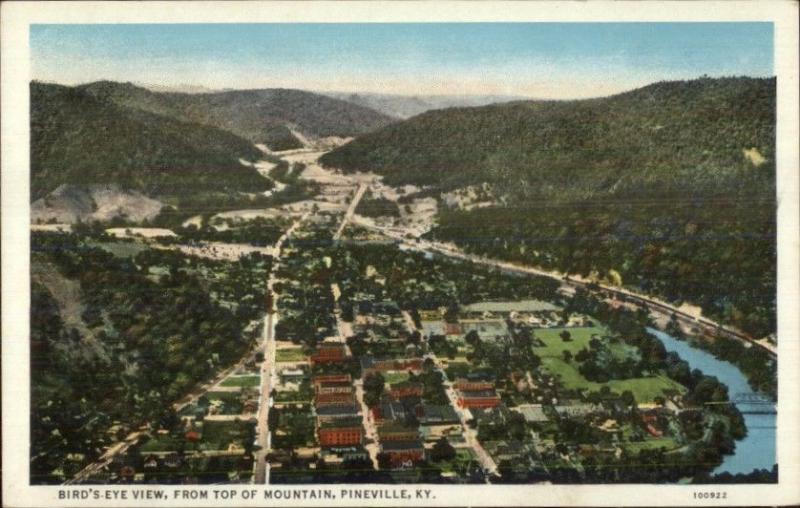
column 334, row 399
column 533, row 413
column 405, row 389
column 389, row 410
column 430, row 415
column 481, row 399
column 578, row 410
column 402, row 454
column 333, row 387
column 464, row 384
column 331, row 413
column 370, row 365
column 397, row 431
column 332, row 378
column 327, row 353
column 340, row 433
column 292, row 376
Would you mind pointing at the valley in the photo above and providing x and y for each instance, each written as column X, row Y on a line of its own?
column 343, row 319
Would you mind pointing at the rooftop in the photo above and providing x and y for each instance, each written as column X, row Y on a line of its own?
column 341, row 423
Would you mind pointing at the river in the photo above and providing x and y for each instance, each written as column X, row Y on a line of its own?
column 757, row 450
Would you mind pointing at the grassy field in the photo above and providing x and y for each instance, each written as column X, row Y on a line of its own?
column 395, row 377
column 120, row 249
column 652, row 444
column 643, row 389
column 580, row 337
column 294, row 354
column 244, row 381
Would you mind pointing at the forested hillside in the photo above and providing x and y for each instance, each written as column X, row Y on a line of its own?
column 260, row 116
column 78, row 138
column 670, row 186
column 125, row 342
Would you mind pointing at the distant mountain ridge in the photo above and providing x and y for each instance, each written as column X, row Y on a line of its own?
column 406, row 106
column 261, row 116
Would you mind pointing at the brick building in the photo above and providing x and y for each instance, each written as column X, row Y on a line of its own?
column 342, row 432
column 329, row 353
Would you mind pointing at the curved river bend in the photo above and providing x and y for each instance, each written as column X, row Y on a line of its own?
column 757, row 450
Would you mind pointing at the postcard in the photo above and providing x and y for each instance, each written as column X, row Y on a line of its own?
column 400, row 253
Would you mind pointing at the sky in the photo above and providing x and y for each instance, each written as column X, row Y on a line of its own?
column 540, row 60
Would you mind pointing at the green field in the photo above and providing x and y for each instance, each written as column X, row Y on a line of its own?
column 651, row 444
column 395, row 377
column 294, row 354
column 580, row 337
column 120, row 249
column 243, row 381
column 643, row 389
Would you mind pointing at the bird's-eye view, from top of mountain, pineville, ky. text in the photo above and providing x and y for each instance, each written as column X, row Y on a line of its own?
column 478, row 253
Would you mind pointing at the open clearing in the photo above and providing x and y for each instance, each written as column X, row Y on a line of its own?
column 643, row 389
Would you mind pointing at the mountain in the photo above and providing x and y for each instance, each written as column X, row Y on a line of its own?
column 406, row 106
column 597, row 144
column 278, row 118
column 80, row 138
column 668, row 189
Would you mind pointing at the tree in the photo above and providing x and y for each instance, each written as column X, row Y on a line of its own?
column 565, row 336
column 373, row 388
column 442, row 450
column 567, row 356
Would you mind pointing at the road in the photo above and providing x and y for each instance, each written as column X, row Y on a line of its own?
column 268, row 373
column 654, row 304
column 350, row 210
column 370, row 431
column 470, row 434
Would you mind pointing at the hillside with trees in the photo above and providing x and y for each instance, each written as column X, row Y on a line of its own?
column 78, row 138
column 260, row 116
column 138, row 333
column 670, row 187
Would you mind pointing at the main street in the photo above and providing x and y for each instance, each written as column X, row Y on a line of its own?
column 268, row 346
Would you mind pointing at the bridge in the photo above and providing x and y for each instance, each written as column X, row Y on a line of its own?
column 750, row 403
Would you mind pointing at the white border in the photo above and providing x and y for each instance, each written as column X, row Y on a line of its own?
column 15, row 232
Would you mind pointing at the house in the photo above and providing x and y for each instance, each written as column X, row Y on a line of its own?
column 250, row 406
column 452, row 329
column 192, row 435
column 405, row 389
column 343, row 432
column 402, row 454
